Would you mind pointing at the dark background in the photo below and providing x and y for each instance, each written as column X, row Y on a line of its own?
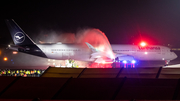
column 122, row 21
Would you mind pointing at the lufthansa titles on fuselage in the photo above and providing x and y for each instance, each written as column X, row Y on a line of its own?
column 150, row 48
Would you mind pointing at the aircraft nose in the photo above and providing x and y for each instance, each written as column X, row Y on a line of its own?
column 174, row 56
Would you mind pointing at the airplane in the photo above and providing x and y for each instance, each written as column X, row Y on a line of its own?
column 130, row 53
column 121, row 53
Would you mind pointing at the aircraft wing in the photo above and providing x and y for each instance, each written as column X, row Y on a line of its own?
column 98, row 56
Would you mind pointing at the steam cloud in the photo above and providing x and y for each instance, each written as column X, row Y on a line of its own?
column 51, row 36
column 91, row 35
column 95, row 37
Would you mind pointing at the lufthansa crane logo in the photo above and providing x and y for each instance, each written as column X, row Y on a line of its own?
column 19, row 37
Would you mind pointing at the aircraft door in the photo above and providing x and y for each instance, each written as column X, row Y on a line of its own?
column 163, row 51
column 133, row 51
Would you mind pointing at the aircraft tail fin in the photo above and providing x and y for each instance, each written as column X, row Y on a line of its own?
column 18, row 35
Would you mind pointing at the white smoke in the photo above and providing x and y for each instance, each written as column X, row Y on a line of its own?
column 51, row 36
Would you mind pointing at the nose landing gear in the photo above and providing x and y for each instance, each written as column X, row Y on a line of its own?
column 167, row 62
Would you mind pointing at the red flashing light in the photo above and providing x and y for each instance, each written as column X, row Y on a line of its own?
column 143, row 44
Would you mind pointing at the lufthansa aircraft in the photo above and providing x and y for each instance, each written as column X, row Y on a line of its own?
column 59, row 51
column 131, row 53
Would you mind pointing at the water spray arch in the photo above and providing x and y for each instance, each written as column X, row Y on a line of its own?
column 95, row 37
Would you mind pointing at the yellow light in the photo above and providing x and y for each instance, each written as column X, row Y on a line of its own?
column 0, row 52
column 5, row 58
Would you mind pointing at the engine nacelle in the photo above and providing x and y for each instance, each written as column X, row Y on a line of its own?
column 122, row 58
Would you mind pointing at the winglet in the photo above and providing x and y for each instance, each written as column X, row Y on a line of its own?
column 91, row 47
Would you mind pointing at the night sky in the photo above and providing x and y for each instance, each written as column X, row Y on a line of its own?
column 123, row 21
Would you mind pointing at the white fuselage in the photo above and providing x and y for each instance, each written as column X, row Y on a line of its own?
column 83, row 53
column 152, row 52
column 66, row 51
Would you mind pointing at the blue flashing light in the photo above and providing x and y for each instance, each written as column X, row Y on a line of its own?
column 124, row 61
column 133, row 61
